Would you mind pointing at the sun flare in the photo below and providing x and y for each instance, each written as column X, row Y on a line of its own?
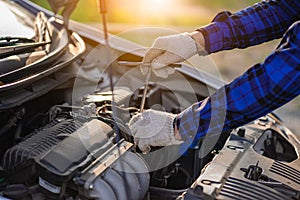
column 154, row 7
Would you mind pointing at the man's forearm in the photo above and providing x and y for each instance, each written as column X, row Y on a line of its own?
column 259, row 23
column 260, row 90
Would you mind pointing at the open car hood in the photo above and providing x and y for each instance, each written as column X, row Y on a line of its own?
column 55, row 49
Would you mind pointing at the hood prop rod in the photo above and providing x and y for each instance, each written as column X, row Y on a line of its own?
column 103, row 10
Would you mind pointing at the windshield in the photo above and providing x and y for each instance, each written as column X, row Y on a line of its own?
column 13, row 25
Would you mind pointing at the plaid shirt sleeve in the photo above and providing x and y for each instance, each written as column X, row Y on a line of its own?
column 261, row 89
column 259, row 23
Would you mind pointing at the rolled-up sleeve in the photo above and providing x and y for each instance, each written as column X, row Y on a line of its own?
column 264, row 21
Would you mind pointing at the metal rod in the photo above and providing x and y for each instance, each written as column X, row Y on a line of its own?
column 145, row 90
column 129, row 63
column 103, row 10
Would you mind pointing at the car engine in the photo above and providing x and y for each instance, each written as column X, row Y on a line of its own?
column 86, row 152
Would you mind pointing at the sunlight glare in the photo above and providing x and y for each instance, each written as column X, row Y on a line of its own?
column 156, row 6
column 147, row 11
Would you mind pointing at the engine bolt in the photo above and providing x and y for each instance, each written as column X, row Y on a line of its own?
column 91, row 187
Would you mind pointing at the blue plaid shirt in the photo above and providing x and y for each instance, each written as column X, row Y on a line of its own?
column 264, row 87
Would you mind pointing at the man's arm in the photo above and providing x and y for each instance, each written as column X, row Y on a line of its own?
column 263, row 88
column 262, row 22
column 259, row 23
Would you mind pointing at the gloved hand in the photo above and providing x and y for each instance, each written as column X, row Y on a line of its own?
column 153, row 128
column 68, row 7
column 168, row 50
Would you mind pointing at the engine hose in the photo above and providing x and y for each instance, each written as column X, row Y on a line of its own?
column 186, row 173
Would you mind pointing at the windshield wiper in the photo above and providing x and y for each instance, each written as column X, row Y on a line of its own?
column 10, row 41
column 20, row 48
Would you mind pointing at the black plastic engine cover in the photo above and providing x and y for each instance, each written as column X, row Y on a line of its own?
column 18, row 162
column 59, row 164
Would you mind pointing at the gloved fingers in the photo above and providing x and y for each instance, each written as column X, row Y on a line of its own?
column 154, row 140
column 134, row 119
column 142, row 119
column 166, row 59
column 142, row 144
column 170, row 70
column 138, row 123
column 151, row 54
column 160, row 64
column 145, row 133
column 133, row 126
column 144, row 69
column 153, row 128
column 164, row 72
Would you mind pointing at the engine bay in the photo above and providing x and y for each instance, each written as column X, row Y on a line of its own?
column 86, row 152
column 69, row 150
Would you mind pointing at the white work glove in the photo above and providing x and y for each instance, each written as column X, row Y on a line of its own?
column 168, row 50
column 68, row 7
column 153, row 128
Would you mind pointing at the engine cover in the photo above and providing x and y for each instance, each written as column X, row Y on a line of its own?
column 87, row 161
column 57, row 166
column 18, row 162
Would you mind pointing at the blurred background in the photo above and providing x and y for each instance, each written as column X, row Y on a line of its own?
column 182, row 16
